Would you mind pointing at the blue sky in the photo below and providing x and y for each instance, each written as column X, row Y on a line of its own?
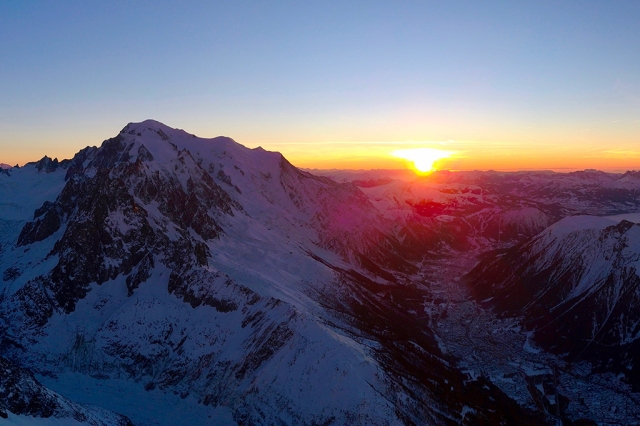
column 321, row 80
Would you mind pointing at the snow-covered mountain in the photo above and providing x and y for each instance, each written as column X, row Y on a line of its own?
column 577, row 287
column 227, row 277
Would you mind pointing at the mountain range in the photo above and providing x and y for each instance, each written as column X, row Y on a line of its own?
column 176, row 279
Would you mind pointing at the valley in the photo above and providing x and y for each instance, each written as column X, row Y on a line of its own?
column 501, row 351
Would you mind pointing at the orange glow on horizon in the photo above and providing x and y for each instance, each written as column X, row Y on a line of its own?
column 504, row 154
column 463, row 155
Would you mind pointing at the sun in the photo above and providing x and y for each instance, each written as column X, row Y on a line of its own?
column 422, row 158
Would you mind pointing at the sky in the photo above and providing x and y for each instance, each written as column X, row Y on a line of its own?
column 331, row 84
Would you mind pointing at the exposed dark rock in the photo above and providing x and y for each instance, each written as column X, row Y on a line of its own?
column 272, row 339
column 42, row 228
column 46, row 206
column 224, row 177
column 11, row 274
column 205, row 288
column 76, row 164
column 140, row 274
column 144, row 154
column 162, row 135
column 33, row 302
column 47, row 165
column 89, row 240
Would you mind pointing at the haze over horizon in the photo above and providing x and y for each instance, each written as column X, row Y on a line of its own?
column 335, row 85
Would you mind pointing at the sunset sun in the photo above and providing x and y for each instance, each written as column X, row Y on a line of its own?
column 423, row 158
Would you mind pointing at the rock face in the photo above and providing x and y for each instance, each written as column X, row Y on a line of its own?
column 576, row 285
column 224, row 274
column 21, row 394
column 106, row 234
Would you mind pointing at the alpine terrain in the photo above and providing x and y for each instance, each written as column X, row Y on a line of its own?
column 162, row 278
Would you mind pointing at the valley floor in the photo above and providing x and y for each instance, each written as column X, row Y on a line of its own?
column 498, row 349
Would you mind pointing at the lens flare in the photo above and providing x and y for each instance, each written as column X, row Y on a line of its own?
column 422, row 158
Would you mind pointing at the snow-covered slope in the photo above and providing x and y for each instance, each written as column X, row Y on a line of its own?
column 577, row 286
column 225, row 275
column 23, row 400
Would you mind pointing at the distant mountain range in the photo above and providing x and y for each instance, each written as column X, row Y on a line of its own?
column 236, row 288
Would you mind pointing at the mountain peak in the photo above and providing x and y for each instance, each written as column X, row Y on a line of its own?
column 147, row 124
column 154, row 127
column 152, row 131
